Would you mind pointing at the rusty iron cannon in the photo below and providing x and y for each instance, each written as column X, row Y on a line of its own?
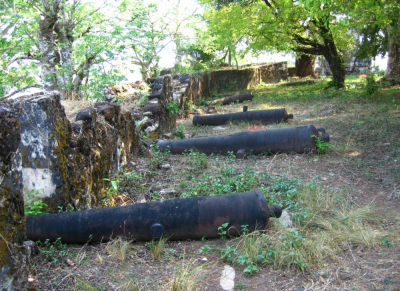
column 176, row 219
column 297, row 139
column 263, row 116
column 245, row 96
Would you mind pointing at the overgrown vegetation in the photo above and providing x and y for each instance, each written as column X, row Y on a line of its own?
column 331, row 199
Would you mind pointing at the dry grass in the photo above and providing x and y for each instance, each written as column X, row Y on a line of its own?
column 332, row 226
column 157, row 248
column 118, row 248
column 188, row 274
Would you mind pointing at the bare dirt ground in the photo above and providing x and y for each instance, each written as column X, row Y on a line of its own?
column 365, row 164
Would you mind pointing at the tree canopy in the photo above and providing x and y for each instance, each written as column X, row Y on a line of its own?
column 75, row 46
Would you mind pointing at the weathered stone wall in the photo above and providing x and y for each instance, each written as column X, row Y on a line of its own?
column 352, row 65
column 12, row 220
column 65, row 163
column 204, row 85
column 167, row 120
column 292, row 72
column 273, row 73
column 242, row 79
column 156, row 110
column 44, row 136
column 234, row 79
column 102, row 138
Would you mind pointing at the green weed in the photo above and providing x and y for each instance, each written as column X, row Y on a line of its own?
column 33, row 205
column 223, row 230
column 55, row 251
column 322, row 146
column 180, row 131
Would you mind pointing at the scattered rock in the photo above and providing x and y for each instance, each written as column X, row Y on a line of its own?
column 136, row 114
column 211, row 110
column 345, row 275
column 152, row 102
column 151, row 128
column 167, row 193
column 145, row 122
column 198, row 112
column 227, row 280
column 285, row 219
column 30, row 250
column 168, row 135
column 165, row 166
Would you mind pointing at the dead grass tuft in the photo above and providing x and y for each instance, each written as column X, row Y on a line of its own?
column 118, row 248
column 187, row 275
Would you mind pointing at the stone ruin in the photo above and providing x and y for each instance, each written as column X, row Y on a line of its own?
column 43, row 155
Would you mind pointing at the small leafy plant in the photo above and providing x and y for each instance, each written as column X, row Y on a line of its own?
column 53, row 251
column 158, row 156
column 222, row 230
column 180, row 131
column 370, row 86
column 322, row 146
column 33, row 205
column 111, row 192
column 173, row 108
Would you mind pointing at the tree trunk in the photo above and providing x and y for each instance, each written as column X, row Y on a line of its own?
column 334, row 59
column 304, row 65
column 144, row 72
column 392, row 74
column 49, row 58
column 337, row 69
column 65, row 39
column 82, row 72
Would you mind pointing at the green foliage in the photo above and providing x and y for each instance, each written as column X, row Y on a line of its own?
column 82, row 42
column 252, row 251
column 114, row 186
column 205, row 249
column 322, row 146
column 173, row 108
column 54, row 252
column 151, row 29
column 197, row 160
column 222, row 230
column 143, row 98
column 283, row 26
column 225, row 181
column 158, row 156
column 387, row 242
column 33, row 204
column 370, row 87
column 180, row 131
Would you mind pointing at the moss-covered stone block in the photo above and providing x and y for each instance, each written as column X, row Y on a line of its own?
column 12, row 221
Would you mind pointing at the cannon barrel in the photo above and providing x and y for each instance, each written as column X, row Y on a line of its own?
column 190, row 218
column 298, row 139
column 245, row 96
column 263, row 116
